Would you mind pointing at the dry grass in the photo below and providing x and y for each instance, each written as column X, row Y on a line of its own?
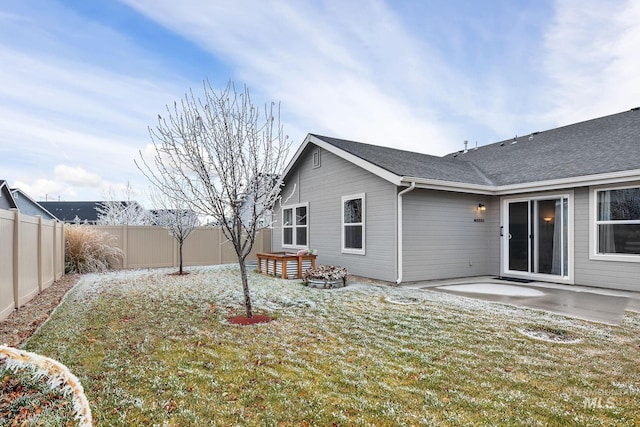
column 22, row 323
column 152, row 349
column 89, row 250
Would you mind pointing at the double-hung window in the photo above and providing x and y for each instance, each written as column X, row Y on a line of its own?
column 295, row 226
column 353, row 224
column 617, row 223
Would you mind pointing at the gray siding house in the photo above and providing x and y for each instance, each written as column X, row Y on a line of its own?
column 561, row 205
column 28, row 206
column 6, row 197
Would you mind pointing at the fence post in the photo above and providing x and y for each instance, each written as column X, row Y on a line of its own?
column 219, row 245
column 16, row 257
column 58, row 249
column 125, row 246
column 176, row 249
column 40, row 254
column 55, row 249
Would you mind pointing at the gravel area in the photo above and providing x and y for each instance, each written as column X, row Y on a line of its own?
column 22, row 323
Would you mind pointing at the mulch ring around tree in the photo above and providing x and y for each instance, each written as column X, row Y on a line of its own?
column 177, row 273
column 245, row 321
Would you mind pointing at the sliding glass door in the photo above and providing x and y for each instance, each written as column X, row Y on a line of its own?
column 536, row 234
column 519, row 236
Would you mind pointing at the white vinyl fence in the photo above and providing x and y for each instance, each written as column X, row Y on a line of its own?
column 31, row 257
column 153, row 247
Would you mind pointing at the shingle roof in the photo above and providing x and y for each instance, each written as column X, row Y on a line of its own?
column 67, row 211
column 408, row 163
column 602, row 145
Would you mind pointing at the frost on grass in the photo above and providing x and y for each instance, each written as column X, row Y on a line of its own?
column 57, row 375
column 358, row 355
column 550, row 335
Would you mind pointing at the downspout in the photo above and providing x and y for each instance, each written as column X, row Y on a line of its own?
column 399, row 222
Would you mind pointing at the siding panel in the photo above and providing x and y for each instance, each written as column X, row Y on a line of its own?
column 323, row 188
column 441, row 238
column 603, row 274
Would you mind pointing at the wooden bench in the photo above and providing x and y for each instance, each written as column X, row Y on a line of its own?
column 285, row 264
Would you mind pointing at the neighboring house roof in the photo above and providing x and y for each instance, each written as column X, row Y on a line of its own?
column 85, row 211
column 68, row 211
column 28, row 206
column 6, row 198
column 584, row 153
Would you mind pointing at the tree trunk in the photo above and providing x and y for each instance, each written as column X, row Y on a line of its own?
column 245, row 288
column 180, row 257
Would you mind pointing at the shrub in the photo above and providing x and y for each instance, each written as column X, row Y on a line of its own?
column 89, row 250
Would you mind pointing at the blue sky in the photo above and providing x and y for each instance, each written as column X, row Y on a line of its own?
column 80, row 81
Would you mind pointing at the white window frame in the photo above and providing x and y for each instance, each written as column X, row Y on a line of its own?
column 594, row 222
column 354, row 251
column 294, row 227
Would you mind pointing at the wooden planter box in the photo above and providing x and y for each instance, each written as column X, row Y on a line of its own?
column 284, row 264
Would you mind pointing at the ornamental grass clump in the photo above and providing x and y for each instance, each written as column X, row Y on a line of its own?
column 89, row 250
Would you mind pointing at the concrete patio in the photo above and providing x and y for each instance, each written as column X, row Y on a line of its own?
column 588, row 303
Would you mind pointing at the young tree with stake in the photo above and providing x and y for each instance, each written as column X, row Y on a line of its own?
column 218, row 155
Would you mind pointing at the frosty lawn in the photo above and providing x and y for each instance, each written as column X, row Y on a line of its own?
column 153, row 349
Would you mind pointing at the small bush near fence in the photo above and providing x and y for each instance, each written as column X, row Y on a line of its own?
column 89, row 250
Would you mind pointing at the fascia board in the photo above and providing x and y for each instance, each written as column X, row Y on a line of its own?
column 528, row 187
column 458, row 187
column 580, row 181
column 295, row 157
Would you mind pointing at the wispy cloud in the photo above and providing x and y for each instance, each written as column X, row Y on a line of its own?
column 58, row 108
column 350, row 70
column 593, row 59
column 79, row 89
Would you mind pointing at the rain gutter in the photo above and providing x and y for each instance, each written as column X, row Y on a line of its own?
column 399, row 222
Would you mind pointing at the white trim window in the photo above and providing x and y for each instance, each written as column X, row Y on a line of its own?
column 295, row 226
column 353, row 224
column 616, row 227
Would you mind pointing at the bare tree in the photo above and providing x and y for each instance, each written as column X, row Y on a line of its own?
column 121, row 212
column 218, row 155
column 177, row 218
